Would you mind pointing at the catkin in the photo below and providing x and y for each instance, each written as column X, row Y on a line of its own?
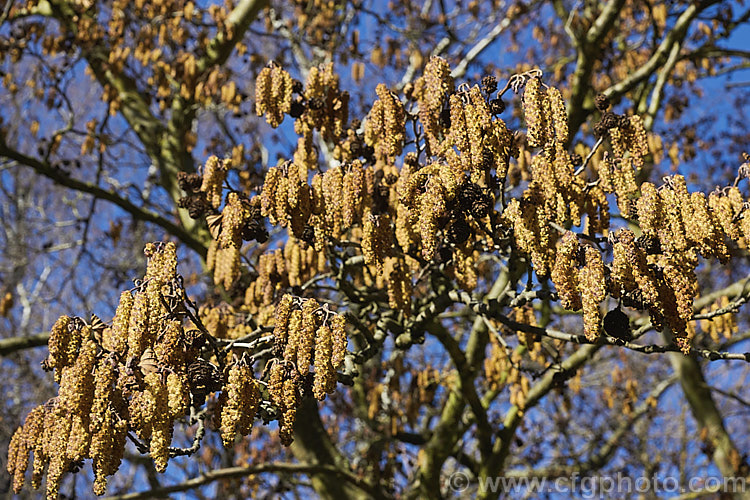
column 534, row 96
column 593, row 291
column 565, row 272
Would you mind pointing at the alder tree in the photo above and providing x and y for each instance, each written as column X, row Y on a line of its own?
column 350, row 249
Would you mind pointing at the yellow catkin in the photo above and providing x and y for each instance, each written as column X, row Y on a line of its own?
column 352, row 184
column 289, row 414
column 673, row 197
column 565, row 272
column 593, row 291
column 116, row 338
column 649, row 208
column 384, row 129
column 333, row 195
column 307, row 335
column 339, row 340
column 105, row 452
column 559, row 115
column 214, row 174
column 432, row 207
column 459, row 130
column 637, row 260
column 263, row 91
column 293, row 338
column 159, row 420
column 63, row 344
column 281, row 320
column 399, row 285
column 324, row 370
column 276, row 384
column 241, row 404
column 431, row 91
column 377, row 239
column 533, row 112
column 702, row 229
column 625, row 185
column 724, row 212
column 273, row 94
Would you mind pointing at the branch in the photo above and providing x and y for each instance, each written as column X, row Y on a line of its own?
column 588, row 50
column 725, row 454
column 13, row 344
column 604, row 453
column 139, row 213
column 165, row 150
column 460, row 70
column 674, row 37
column 238, row 21
column 234, row 472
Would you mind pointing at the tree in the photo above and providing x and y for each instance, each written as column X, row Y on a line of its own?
column 394, row 274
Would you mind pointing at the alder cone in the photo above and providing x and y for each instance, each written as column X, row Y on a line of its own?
column 617, row 325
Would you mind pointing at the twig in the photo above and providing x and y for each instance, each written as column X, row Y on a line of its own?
column 589, row 156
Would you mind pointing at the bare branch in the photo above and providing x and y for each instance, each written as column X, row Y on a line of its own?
column 139, row 213
column 235, row 472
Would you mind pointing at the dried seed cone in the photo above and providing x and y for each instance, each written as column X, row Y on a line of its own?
column 593, row 291
column 243, row 398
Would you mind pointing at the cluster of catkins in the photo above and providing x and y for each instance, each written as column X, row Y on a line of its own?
column 399, row 217
column 305, row 334
column 136, row 375
column 317, row 105
column 240, row 219
column 238, row 403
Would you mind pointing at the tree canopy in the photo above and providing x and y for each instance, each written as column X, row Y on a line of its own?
column 358, row 250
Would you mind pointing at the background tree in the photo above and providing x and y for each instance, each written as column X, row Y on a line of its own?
column 453, row 241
